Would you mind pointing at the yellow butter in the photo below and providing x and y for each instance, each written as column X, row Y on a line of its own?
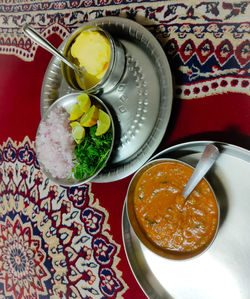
column 92, row 50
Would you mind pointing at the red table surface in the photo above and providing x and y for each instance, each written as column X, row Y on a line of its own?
column 224, row 117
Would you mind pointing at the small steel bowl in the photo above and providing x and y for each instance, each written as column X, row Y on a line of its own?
column 141, row 234
column 115, row 69
column 65, row 102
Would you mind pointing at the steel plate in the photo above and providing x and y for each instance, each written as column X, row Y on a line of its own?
column 141, row 102
column 222, row 271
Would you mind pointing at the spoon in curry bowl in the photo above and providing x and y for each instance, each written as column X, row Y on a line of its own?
column 37, row 38
column 208, row 157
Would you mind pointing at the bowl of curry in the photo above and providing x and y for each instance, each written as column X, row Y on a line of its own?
column 163, row 220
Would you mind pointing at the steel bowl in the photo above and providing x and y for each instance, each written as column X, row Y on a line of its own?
column 65, row 102
column 115, row 69
column 140, row 233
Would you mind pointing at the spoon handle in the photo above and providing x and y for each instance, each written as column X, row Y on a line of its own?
column 37, row 38
column 208, row 158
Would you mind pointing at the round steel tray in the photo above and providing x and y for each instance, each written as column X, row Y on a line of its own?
column 140, row 104
column 222, row 271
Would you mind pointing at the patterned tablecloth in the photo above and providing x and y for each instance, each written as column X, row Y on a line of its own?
column 58, row 242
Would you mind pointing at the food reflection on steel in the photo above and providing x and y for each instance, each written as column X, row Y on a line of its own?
column 166, row 217
column 92, row 51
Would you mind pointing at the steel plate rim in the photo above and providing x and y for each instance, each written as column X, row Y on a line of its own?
column 153, row 141
column 244, row 152
column 241, row 153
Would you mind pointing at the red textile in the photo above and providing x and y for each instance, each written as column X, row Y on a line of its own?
column 223, row 117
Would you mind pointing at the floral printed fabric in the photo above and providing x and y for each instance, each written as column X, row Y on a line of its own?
column 53, row 240
column 207, row 43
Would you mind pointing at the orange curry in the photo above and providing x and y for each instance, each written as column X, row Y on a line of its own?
column 169, row 220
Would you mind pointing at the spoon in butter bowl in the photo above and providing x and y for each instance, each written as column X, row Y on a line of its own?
column 208, row 157
column 37, row 38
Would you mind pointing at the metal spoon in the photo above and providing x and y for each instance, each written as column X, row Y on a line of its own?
column 37, row 38
column 207, row 159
